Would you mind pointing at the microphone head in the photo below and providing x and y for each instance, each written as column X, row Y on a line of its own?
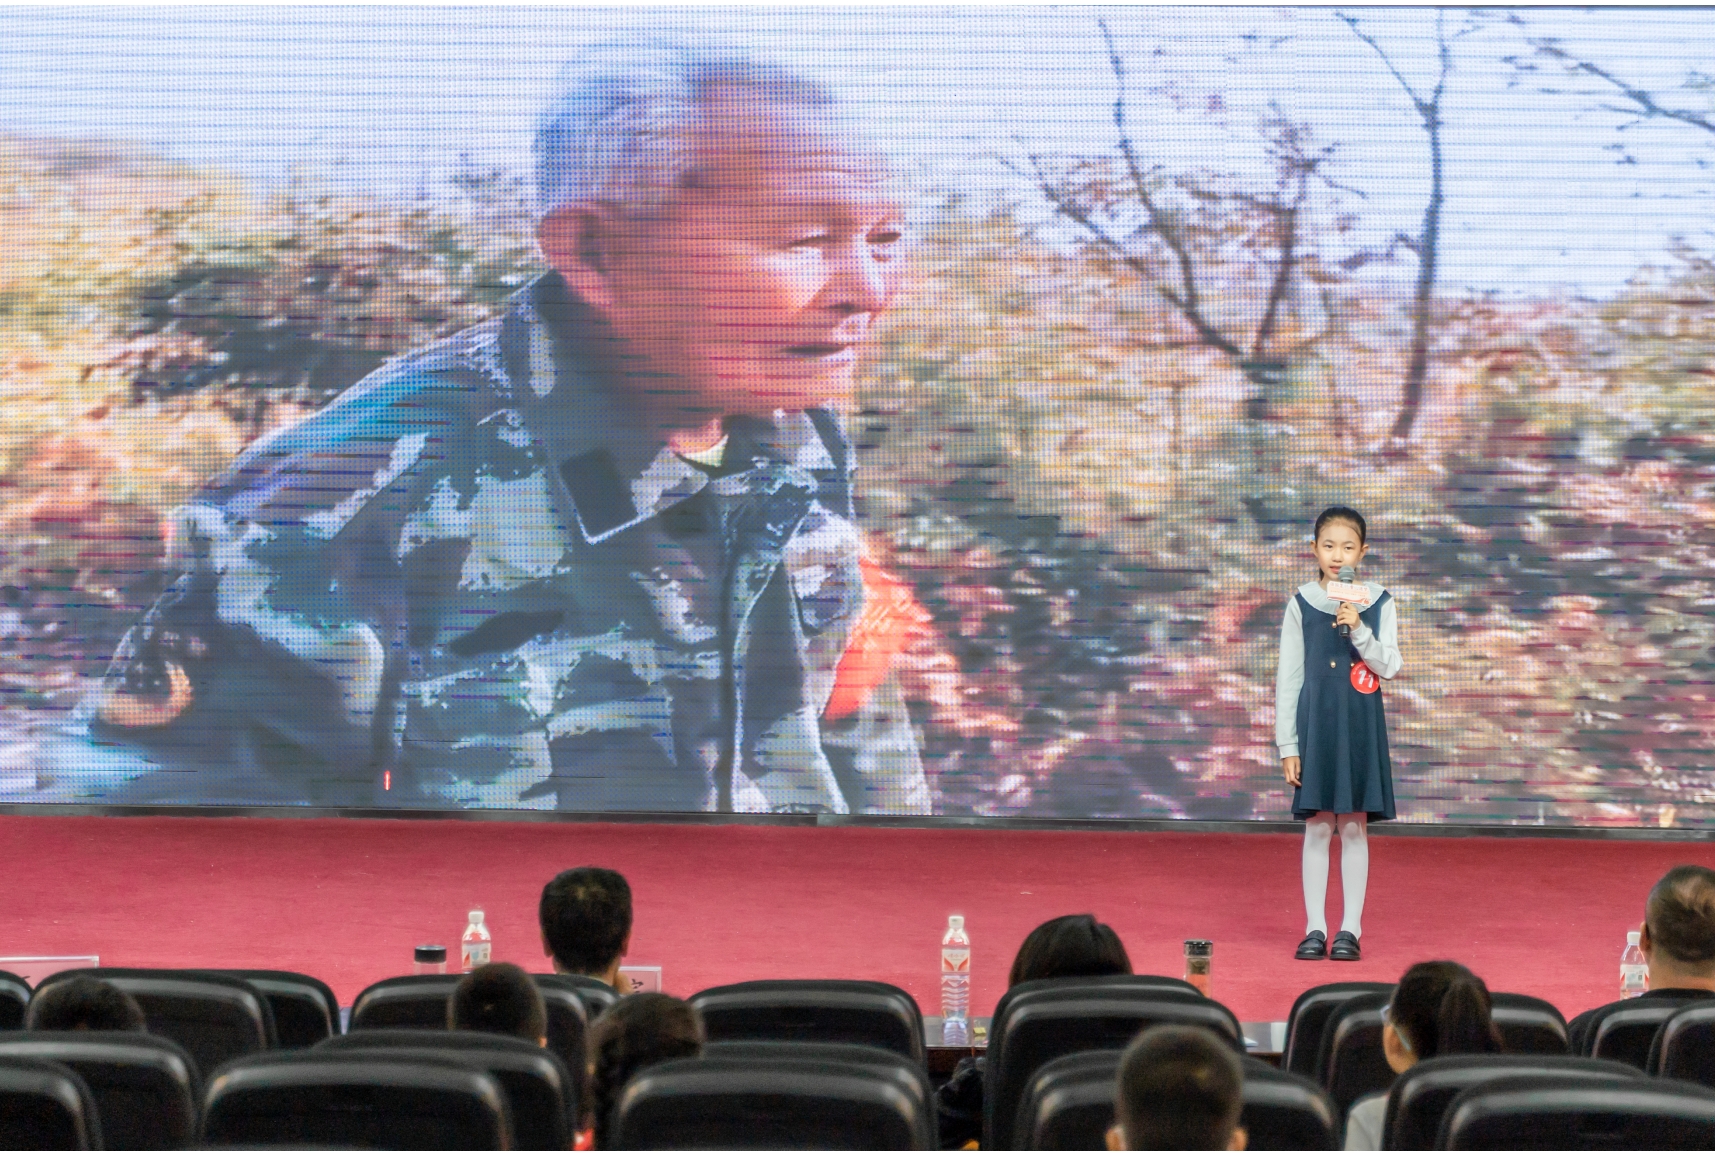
column 1348, row 574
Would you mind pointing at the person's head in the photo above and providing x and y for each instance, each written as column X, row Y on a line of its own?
column 735, row 236
column 1679, row 928
column 1340, row 539
column 586, row 922
column 499, row 998
column 1071, row 946
column 1179, row 1089
column 83, row 1003
column 636, row 1032
column 1438, row 1008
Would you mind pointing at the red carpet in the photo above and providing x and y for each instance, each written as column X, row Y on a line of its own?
column 347, row 900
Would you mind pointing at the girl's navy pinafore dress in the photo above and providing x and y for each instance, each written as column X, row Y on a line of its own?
column 1342, row 732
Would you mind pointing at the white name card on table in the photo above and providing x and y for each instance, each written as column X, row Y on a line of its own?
column 642, row 979
column 34, row 968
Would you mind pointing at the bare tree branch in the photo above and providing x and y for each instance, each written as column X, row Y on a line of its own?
column 1643, row 103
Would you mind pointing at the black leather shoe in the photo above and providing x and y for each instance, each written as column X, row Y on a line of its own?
column 1314, row 946
column 1345, row 948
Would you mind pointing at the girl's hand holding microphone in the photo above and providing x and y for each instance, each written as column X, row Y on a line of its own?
column 1347, row 616
column 1294, row 770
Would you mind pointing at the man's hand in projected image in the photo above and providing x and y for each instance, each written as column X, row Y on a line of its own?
column 596, row 553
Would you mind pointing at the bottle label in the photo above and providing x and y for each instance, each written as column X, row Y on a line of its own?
column 477, row 954
column 956, row 959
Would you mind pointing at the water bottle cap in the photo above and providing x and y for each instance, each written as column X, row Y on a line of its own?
column 476, row 917
column 1633, row 937
column 1199, row 947
column 431, row 954
column 955, row 922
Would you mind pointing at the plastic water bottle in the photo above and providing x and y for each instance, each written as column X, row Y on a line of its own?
column 955, row 984
column 1634, row 970
column 476, row 947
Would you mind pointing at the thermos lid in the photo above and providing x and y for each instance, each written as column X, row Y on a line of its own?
column 431, row 954
column 1199, row 947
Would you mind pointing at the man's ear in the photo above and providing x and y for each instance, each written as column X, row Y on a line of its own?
column 1644, row 943
column 547, row 951
column 578, row 241
column 625, row 947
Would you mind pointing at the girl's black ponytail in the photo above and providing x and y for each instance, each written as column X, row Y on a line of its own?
column 1464, row 1023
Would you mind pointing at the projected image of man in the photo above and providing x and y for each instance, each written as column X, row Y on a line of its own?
column 598, row 552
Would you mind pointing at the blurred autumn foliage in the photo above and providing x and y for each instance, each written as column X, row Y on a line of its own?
column 1102, row 515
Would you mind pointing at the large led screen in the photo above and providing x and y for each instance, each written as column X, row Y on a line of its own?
column 850, row 411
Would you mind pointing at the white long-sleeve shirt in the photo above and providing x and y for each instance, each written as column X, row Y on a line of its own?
column 1378, row 648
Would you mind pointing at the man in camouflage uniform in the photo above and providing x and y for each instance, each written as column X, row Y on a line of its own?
column 597, row 553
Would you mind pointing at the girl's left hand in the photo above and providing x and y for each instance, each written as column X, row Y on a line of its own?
column 1348, row 615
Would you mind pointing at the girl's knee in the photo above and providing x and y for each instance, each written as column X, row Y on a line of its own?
column 1354, row 827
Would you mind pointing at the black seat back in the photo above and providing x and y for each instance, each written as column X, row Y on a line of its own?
column 907, row 1074
column 144, row 1086
column 541, row 1092
column 734, row 1102
column 1126, row 982
column 1580, row 1114
column 1685, row 1045
column 45, row 1106
column 1309, row 1018
column 1068, row 1105
column 1353, row 1064
column 597, row 996
column 14, row 999
column 1625, row 1035
column 1529, row 1025
column 1286, row 1112
column 305, row 1009
column 420, row 1002
column 1060, row 1019
column 814, row 1010
column 319, row 1098
column 214, row 1017
column 1420, row 1097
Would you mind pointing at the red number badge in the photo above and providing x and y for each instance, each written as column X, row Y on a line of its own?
column 1364, row 679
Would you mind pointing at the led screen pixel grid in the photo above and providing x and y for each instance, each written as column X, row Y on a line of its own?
column 1124, row 367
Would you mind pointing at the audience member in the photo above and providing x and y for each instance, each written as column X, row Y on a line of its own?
column 1071, row 946
column 83, row 1003
column 1438, row 1008
column 1678, row 942
column 635, row 1033
column 1179, row 1089
column 586, row 923
column 502, row 999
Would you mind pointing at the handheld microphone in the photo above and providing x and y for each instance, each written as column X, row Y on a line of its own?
column 1348, row 577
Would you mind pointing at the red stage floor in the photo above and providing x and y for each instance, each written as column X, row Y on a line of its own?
column 347, row 899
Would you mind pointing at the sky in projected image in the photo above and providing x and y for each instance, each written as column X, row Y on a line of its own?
column 1538, row 193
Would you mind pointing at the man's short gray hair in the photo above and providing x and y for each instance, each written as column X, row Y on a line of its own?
column 621, row 127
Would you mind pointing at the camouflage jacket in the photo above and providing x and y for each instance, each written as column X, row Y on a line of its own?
column 475, row 580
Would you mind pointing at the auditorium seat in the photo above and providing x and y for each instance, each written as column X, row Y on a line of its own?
column 1309, row 1017
column 305, row 1009
column 1287, row 1112
column 14, row 999
column 716, row 1102
column 1560, row 1113
column 320, row 1098
column 1352, row 1061
column 45, row 1106
column 597, row 996
column 1126, row 982
column 214, row 1017
column 144, row 1086
column 1068, row 1015
column 1420, row 1097
column 541, row 1092
column 420, row 1002
column 1069, row 1106
column 908, row 1075
column 1529, row 1025
column 814, row 1010
column 1684, row 1047
column 1627, row 1034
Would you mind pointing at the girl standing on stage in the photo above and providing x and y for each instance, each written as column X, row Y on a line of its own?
column 1330, row 726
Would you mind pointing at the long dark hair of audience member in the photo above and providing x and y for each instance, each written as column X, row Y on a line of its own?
column 1441, row 1008
column 634, row 1034
column 1068, row 947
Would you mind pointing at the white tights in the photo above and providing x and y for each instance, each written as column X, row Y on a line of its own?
column 1354, row 869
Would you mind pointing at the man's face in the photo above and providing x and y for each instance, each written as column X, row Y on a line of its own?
column 756, row 288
